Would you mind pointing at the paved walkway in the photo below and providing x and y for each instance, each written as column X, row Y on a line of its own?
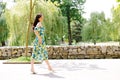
column 107, row 69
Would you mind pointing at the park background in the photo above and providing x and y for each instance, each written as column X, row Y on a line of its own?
column 66, row 21
column 82, row 37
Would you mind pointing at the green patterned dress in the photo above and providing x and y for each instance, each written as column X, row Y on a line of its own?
column 39, row 50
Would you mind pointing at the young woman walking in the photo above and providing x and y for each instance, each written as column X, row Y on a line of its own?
column 39, row 47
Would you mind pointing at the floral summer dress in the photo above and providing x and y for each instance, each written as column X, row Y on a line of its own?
column 39, row 50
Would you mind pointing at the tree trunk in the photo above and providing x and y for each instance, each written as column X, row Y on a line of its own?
column 69, row 28
column 94, row 36
column 62, row 40
column 3, row 43
column 27, row 37
column 94, row 42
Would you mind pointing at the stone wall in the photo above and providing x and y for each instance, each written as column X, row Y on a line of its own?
column 66, row 52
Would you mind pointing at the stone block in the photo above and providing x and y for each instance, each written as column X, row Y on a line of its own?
column 0, row 53
column 4, row 54
column 82, row 52
column 115, row 48
column 104, row 49
column 80, row 57
column 79, row 50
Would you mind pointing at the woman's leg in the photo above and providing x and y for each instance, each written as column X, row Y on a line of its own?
column 32, row 66
column 48, row 64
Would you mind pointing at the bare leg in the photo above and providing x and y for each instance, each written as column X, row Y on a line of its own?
column 32, row 66
column 48, row 64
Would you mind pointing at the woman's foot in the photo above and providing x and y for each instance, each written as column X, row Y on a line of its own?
column 50, row 69
column 33, row 72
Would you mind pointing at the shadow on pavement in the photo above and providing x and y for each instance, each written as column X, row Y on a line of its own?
column 85, row 66
column 79, row 66
column 50, row 75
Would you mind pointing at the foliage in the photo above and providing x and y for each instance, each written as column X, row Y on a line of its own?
column 3, row 26
column 76, row 31
column 18, row 20
column 116, row 23
column 17, row 23
column 97, row 28
column 118, row 0
column 21, row 59
column 73, row 10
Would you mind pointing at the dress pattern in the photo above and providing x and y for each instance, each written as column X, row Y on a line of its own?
column 39, row 50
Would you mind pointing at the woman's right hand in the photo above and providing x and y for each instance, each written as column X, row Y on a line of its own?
column 40, row 40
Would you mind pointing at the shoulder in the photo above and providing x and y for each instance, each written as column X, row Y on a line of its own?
column 39, row 24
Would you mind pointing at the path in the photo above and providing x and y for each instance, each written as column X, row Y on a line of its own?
column 96, row 69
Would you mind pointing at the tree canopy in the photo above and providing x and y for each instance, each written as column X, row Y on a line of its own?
column 73, row 10
column 97, row 28
column 18, row 20
column 3, row 25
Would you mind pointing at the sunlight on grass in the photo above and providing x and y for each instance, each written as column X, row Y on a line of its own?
column 21, row 59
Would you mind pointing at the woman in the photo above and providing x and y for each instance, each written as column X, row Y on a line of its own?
column 39, row 49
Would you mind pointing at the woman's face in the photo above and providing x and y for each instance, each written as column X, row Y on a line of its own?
column 40, row 19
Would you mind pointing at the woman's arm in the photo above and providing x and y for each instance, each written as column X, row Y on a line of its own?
column 39, row 37
column 37, row 33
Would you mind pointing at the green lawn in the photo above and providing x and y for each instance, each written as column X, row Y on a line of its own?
column 20, row 59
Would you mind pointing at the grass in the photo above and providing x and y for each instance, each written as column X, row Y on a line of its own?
column 20, row 59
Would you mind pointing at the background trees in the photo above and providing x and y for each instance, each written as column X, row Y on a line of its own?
column 18, row 21
column 63, row 20
column 118, row 0
column 97, row 28
column 100, row 29
column 3, row 26
column 116, row 22
column 73, row 11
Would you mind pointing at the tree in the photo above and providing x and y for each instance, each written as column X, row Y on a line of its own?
column 73, row 10
column 97, row 28
column 3, row 26
column 118, row 0
column 107, row 29
column 19, row 17
column 30, row 21
column 76, row 31
column 116, row 22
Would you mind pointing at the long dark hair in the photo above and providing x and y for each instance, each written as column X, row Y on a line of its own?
column 36, row 20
